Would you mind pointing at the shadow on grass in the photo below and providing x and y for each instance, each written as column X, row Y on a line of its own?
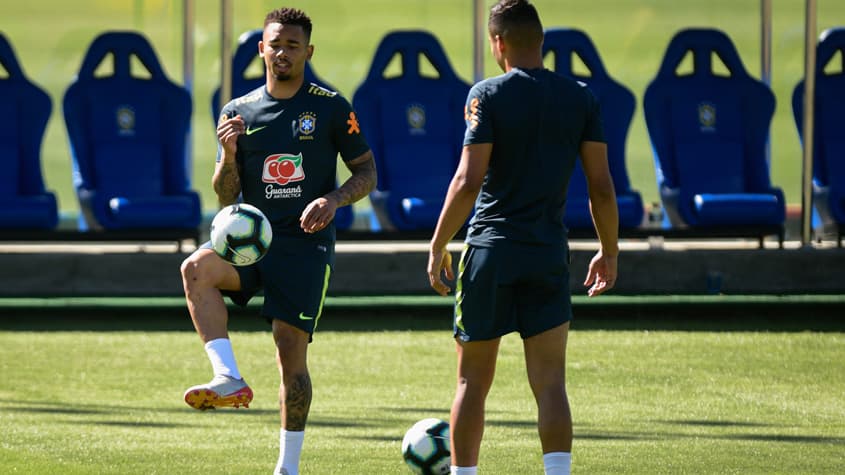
column 592, row 434
column 707, row 423
column 657, row 436
column 377, row 438
column 613, row 437
column 135, row 425
column 64, row 410
column 421, row 410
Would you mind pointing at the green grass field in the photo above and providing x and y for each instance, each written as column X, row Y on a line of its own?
column 98, row 390
column 51, row 36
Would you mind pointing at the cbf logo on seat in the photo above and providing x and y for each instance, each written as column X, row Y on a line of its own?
column 707, row 116
column 283, row 168
column 416, row 119
column 125, row 118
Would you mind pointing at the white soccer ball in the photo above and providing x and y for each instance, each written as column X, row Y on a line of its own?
column 241, row 234
column 425, row 447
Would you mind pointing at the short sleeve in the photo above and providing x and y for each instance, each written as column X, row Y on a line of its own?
column 593, row 128
column 227, row 111
column 346, row 135
column 479, row 121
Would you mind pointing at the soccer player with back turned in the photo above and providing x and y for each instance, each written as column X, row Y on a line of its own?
column 288, row 120
column 525, row 129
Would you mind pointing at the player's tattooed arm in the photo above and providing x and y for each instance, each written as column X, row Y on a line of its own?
column 360, row 184
column 227, row 181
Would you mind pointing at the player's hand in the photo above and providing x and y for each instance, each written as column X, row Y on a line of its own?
column 318, row 214
column 228, row 131
column 439, row 263
column 601, row 276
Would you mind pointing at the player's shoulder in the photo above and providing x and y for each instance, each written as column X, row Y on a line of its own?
column 250, row 97
column 313, row 89
column 323, row 97
column 571, row 86
column 490, row 84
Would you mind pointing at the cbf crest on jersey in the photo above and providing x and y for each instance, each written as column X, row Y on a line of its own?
column 306, row 125
column 416, row 119
column 707, row 117
column 125, row 118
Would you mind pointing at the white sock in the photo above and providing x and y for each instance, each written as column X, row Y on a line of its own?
column 222, row 358
column 557, row 463
column 455, row 470
column 290, row 447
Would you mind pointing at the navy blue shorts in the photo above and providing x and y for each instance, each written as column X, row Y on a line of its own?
column 294, row 276
column 511, row 287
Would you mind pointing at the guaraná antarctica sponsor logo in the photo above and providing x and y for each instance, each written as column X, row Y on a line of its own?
column 282, row 169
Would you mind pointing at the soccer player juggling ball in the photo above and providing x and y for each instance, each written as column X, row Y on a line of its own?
column 525, row 130
column 285, row 118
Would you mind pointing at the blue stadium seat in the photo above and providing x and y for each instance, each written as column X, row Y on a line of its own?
column 618, row 104
column 128, row 140
column 245, row 54
column 828, row 136
column 708, row 131
column 24, row 202
column 414, row 124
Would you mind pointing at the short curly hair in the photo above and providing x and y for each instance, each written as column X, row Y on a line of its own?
column 517, row 22
column 290, row 16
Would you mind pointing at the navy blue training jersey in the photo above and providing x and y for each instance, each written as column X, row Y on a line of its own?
column 288, row 155
column 536, row 120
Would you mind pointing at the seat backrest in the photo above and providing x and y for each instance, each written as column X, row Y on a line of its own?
column 242, row 83
column 25, row 109
column 413, row 121
column 708, row 128
column 127, row 128
column 828, row 136
column 617, row 101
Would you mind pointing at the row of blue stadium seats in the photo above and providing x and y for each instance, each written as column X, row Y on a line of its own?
column 708, row 131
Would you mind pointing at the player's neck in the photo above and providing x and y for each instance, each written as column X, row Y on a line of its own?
column 524, row 61
column 284, row 89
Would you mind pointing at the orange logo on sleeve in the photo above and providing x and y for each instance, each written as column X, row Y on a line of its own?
column 354, row 128
column 472, row 114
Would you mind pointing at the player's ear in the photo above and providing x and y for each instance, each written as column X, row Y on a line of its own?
column 261, row 47
column 310, row 53
column 499, row 43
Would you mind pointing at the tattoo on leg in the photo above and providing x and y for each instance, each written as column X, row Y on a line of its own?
column 295, row 402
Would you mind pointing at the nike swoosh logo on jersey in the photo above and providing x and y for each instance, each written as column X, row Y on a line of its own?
column 302, row 316
column 250, row 131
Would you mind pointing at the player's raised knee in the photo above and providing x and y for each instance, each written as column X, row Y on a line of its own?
column 198, row 268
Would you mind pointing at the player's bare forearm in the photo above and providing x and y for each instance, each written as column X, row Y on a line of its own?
column 462, row 192
column 226, row 182
column 606, row 218
column 602, row 195
column 460, row 198
column 457, row 206
column 360, row 184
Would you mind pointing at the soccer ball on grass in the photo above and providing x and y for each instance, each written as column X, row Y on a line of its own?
column 425, row 447
column 241, row 234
